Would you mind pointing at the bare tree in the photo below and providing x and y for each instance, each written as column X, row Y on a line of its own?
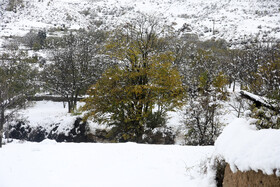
column 76, row 65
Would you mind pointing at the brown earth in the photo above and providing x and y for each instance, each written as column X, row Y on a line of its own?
column 249, row 179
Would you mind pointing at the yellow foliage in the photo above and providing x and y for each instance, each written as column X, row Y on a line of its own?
column 220, row 81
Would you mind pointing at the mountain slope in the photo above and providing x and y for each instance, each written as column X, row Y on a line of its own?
column 232, row 20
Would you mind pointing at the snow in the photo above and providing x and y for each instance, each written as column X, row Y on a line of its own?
column 68, row 164
column 256, row 97
column 94, row 164
column 129, row 164
column 232, row 19
column 46, row 114
column 246, row 148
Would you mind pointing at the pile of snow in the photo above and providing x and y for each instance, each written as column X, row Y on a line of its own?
column 246, row 148
column 86, row 164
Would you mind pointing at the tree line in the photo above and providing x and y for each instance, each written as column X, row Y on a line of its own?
column 135, row 74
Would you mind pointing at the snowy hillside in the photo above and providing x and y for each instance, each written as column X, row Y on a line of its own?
column 233, row 20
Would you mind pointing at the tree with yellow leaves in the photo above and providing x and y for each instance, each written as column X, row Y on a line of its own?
column 144, row 82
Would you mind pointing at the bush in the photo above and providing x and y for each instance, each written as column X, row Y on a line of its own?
column 161, row 135
column 22, row 131
column 14, row 4
column 35, row 40
column 266, row 118
column 156, row 119
column 202, row 121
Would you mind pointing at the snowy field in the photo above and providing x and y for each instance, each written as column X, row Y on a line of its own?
column 51, row 164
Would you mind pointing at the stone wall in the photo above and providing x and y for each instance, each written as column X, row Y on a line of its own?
column 249, row 179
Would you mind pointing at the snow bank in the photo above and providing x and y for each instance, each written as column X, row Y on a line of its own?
column 246, row 148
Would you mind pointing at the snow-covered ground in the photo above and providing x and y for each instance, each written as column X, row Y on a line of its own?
column 54, row 164
column 232, row 20
column 47, row 113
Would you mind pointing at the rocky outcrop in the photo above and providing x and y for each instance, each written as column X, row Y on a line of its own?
column 249, row 178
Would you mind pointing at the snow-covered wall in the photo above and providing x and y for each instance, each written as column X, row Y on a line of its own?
column 245, row 148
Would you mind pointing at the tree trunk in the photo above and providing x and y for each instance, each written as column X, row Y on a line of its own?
column 75, row 99
column 0, row 138
column 70, row 105
column 239, row 110
column 1, row 125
